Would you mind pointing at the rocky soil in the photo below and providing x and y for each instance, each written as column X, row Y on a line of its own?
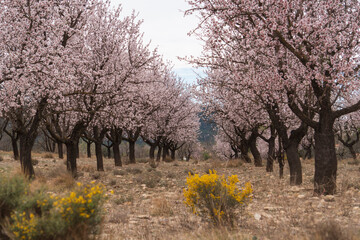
column 148, row 203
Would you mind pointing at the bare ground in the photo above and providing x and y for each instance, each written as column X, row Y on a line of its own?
column 148, row 203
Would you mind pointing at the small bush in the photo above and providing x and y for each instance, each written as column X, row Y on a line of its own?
column 11, row 191
column 142, row 160
column 161, row 207
column 149, row 179
column 123, row 200
column 171, row 175
column 34, row 162
column 206, row 156
column 48, row 155
column 64, row 180
column 112, row 182
column 96, row 175
column 134, row 170
column 236, row 163
column 215, row 197
column 117, row 172
column 330, row 231
column 76, row 215
column 1, row 158
column 87, row 168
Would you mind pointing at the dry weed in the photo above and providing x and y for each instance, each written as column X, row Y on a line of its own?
column 234, row 163
column 61, row 179
column 330, row 230
column 161, row 207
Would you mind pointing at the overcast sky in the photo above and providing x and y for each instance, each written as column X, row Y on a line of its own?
column 167, row 28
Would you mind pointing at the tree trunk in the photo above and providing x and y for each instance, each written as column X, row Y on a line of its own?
column 165, row 152
column 132, row 159
column 308, row 154
column 281, row 160
column 152, row 152
column 352, row 151
column 117, row 155
column 294, row 163
column 158, row 156
column 173, row 154
column 271, row 155
column 236, row 154
column 88, row 149
column 71, row 152
column 152, row 156
column 108, row 152
column 60, row 150
column 77, row 150
column 325, row 157
column 99, row 156
column 15, row 148
column 26, row 144
column 254, row 151
column 244, row 151
column 188, row 157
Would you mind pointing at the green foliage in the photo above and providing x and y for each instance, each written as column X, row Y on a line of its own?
column 206, row 156
column 11, row 191
column 216, row 197
column 41, row 215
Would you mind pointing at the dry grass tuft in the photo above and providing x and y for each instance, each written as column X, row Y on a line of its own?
column 234, row 163
column 87, row 168
column 214, row 165
column 161, row 207
column 330, row 230
column 61, row 179
column 48, row 155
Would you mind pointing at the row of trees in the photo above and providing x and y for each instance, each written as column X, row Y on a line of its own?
column 80, row 69
column 282, row 67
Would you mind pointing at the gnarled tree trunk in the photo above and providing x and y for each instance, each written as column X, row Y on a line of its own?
column 132, row 152
column 325, row 156
column 60, row 150
column 71, row 155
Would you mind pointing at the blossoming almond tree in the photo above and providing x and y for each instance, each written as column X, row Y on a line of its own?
column 310, row 44
column 34, row 43
column 112, row 54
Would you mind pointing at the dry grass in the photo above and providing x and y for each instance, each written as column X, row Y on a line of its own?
column 234, row 163
column 60, row 179
column 161, row 207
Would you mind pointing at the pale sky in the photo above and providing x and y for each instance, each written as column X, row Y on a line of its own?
column 167, row 28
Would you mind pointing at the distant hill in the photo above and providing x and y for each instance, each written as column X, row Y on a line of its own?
column 208, row 129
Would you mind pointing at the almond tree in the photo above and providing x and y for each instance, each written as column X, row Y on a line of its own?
column 34, row 43
column 309, row 44
column 110, row 53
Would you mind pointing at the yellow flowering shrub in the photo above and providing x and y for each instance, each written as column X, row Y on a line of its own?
column 75, row 215
column 216, row 197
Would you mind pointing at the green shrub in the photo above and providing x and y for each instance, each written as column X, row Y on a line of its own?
column 11, row 191
column 40, row 215
column 215, row 197
column 206, row 156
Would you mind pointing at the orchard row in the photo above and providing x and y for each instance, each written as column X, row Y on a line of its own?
column 80, row 69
